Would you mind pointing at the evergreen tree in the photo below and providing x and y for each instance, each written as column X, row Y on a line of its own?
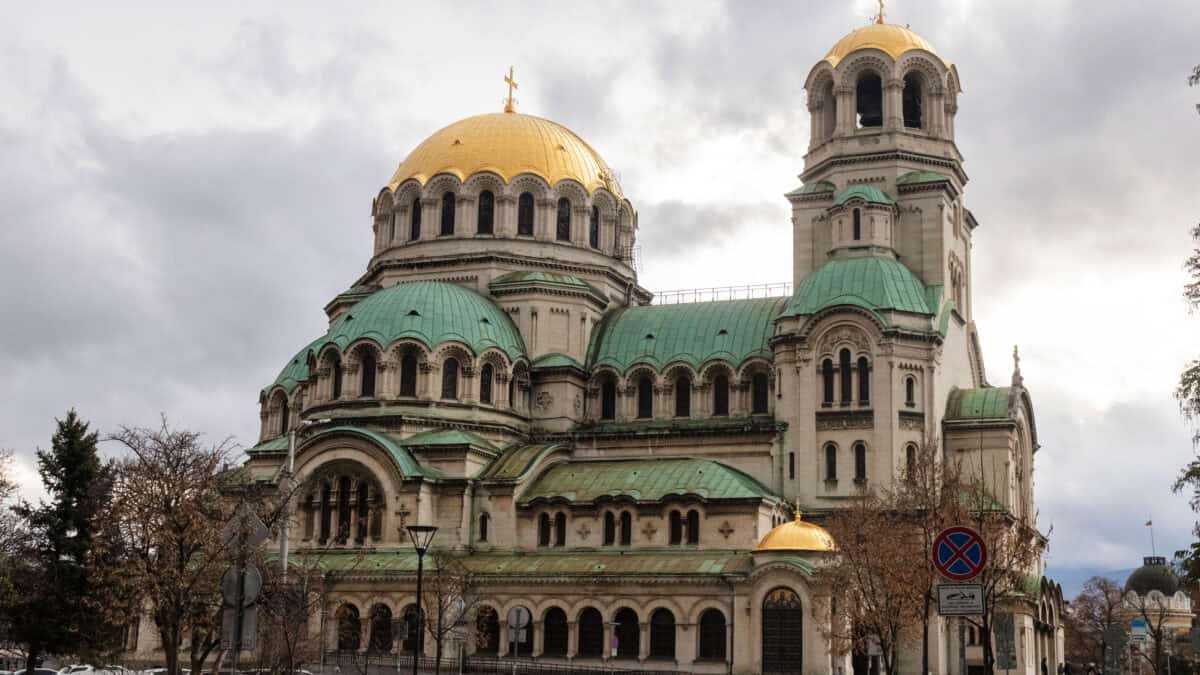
column 53, row 609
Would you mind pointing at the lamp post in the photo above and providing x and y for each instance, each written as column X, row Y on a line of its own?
column 421, row 536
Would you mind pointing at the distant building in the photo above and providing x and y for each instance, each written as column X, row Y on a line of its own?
column 1155, row 599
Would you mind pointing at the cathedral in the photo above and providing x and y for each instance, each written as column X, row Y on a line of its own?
column 648, row 480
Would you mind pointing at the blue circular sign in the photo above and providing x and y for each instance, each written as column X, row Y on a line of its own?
column 959, row 553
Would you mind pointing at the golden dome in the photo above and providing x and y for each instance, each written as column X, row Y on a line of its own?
column 890, row 38
column 796, row 536
column 507, row 144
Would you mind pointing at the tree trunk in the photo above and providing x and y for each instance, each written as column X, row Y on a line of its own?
column 437, row 661
column 925, row 638
column 31, row 658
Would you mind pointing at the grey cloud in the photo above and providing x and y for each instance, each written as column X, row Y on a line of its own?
column 674, row 227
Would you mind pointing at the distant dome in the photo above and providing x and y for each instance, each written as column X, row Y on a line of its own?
column 1153, row 575
column 889, row 38
column 508, row 144
column 797, row 535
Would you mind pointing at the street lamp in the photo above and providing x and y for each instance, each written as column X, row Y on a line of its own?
column 421, row 536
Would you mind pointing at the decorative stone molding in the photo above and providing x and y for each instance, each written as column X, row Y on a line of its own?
column 837, row 420
column 912, row 421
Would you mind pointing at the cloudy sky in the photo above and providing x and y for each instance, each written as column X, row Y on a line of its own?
column 182, row 190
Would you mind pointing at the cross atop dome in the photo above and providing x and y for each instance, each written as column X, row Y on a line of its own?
column 879, row 18
column 510, row 104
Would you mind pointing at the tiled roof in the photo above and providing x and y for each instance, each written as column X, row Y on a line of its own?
column 918, row 177
column 732, row 330
column 443, row 437
column 867, row 193
column 555, row 360
column 516, row 460
column 644, row 480
column 873, row 282
column 552, row 279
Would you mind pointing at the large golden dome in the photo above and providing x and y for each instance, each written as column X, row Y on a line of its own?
column 797, row 535
column 889, row 38
column 507, row 144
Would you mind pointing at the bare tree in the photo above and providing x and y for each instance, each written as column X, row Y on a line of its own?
column 1154, row 608
column 449, row 597
column 173, row 499
column 1096, row 607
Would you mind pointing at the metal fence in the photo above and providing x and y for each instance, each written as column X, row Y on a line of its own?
column 365, row 663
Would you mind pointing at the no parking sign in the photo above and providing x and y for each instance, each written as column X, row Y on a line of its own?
column 959, row 553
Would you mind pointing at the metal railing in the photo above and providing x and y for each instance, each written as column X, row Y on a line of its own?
column 372, row 663
column 776, row 290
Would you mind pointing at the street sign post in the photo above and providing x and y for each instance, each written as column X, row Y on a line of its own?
column 959, row 553
column 1006, row 642
column 960, row 599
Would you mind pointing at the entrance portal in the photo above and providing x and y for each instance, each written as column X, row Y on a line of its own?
column 782, row 632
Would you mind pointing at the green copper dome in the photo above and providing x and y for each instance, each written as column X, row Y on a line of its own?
column 876, row 283
column 431, row 312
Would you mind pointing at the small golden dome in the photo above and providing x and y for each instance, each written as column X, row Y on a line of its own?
column 797, row 535
column 508, row 144
column 889, row 38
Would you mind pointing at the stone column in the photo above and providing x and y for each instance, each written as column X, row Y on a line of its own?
column 430, row 223
column 505, row 646
column 505, row 222
column 465, row 217
column 572, row 640
column 580, row 222
column 543, row 221
column 468, row 386
column 424, row 376
column 935, row 112
column 606, row 649
column 643, row 640
column 845, row 109
column 539, row 639
column 815, row 122
column 893, row 104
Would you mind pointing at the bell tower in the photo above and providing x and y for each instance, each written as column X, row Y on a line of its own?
column 883, row 174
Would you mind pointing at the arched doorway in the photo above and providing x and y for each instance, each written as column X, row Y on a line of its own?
column 627, row 633
column 782, row 632
column 349, row 629
column 487, row 632
column 554, row 636
column 591, row 633
column 381, row 629
column 414, row 633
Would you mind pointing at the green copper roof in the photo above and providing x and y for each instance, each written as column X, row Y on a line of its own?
column 515, row 279
column 555, row 360
column 516, row 460
column 403, row 458
column 867, row 193
column 986, row 403
column 644, row 480
column 447, row 437
column 732, row 330
column 296, row 371
column 819, row 187
column 277, row 444
column 587, row 563
column 432, row 312
column 917, row 177
column 874, row 282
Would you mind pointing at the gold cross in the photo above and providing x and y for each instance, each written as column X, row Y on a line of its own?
column 512, row 84
column 798, row 512
column 879, row 19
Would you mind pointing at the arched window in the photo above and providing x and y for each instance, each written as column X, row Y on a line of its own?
column 782, row 621
column 544, row 529
column 645, row 393
column 608, row 399
column 683, row 396
column 827, row 381
column 676, row 528
column 343, row 509
column 484, row 521
column 349, row 628
column 554, row 635
column 450, row 379
column 857, row 215
column 610, row 528
column 522, row 637
column 869, row 100
column 369, row 367
column 560, row 529
column 408, row 374
column 562, row 224
column 864, row 380
column 912, row 101
column 847, row 377
column 828, row 110
column 627, row 633
column 791, row 466
column 362, row 504
column 626, row 528
column 414, row 638
column 487, row 631
column 910, row 391
column 860, row 463
column 337, row 378
column 381, row 629
column 414, row 220
column 284, row 414
column 910, row 460
column 525, row 214
column 326, row 512
column 594, row 228
column 720, row 396
column 759, row 388
column 486, row 375
column 391, row 228
column 662, row 634
column 693, row 527
column 447, row 214
column 591, row 633
column 486, row 213
column 830, row 462
column 712, row 635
